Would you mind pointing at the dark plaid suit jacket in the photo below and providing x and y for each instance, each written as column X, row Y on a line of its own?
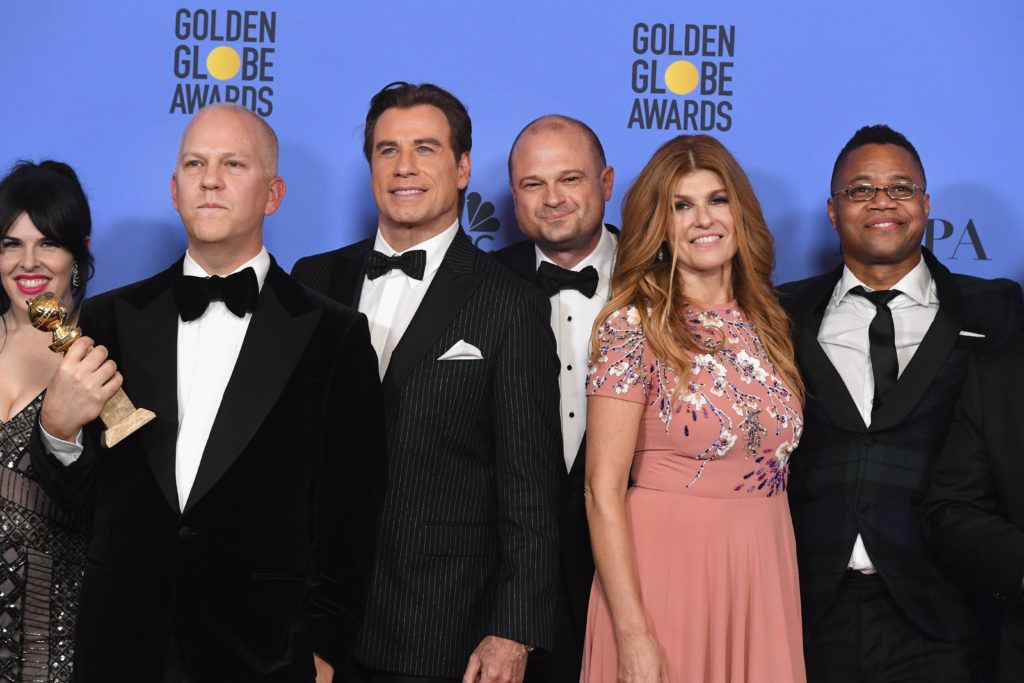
column 846, row 478
column 469, row 541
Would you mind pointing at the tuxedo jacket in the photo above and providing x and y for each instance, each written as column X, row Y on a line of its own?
column 469, row 542
column 975, row 507
column 847, row 478
column 270, row 558
column 577, row 559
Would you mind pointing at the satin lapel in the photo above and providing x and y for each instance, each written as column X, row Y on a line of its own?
column 930, row 355
column 272, row 346
column 148, row 337
column 824, row 382
column 453, row 284
column 348, row 275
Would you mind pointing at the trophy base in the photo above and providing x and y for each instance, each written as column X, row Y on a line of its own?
column 114, row 434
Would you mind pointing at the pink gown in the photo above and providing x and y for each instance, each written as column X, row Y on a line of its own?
column 710, row 527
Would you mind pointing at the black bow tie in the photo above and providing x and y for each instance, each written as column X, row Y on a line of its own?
column 553, row 279
column 238, row 291
column 412, row 263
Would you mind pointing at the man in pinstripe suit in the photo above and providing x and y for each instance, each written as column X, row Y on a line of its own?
column 466, row 568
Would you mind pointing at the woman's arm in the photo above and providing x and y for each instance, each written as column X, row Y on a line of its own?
column 612, row 428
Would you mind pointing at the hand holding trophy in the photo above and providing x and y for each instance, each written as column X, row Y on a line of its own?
column 120, row 415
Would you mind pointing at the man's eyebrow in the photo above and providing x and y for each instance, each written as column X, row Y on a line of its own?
column 864, row 178
column 427, row 141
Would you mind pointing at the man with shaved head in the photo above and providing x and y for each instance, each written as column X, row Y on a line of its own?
column 560, row 182
column 233, row 536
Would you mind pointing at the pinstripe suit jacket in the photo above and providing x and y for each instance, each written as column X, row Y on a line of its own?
column 468, row 542
column 847, row 478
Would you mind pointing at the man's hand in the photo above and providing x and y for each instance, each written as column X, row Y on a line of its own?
column 84, row 382
column 324, row 671
column 496, row 660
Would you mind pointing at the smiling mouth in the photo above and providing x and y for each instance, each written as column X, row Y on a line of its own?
column 884, row 225
column 706, row 239
column 32, row 285
column 408, row 192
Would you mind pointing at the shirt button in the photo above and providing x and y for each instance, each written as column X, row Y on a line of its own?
column 572, row 414
column 568, row 367
column 569, row 318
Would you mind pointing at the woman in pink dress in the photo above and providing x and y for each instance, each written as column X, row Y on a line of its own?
column 694, row 396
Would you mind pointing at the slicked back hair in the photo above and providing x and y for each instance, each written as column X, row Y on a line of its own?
column 406, row 95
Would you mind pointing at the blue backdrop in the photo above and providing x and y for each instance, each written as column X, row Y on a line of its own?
column 109, row 86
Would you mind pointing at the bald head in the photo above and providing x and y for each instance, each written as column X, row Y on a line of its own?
column 558, row 123
column 265, row 138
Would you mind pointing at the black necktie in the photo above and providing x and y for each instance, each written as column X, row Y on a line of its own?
column 882, row 343
column 238, row 291
column 553, row 279
column 412, row 263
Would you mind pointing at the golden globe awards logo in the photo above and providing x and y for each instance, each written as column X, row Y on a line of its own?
column 224, row 56
column 683, row 76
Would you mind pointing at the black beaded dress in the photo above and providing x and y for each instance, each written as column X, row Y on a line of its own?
column 42, row 553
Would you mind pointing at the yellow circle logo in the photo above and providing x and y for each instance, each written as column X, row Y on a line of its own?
column 681, row 77
column 223, row 63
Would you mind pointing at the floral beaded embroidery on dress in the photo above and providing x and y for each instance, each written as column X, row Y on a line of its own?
column 719, row 386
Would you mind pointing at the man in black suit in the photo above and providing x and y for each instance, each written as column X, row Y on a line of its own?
column 883, row 343
column 465, row 579
column 975, row 507
column 560, row 182
column 233, row 536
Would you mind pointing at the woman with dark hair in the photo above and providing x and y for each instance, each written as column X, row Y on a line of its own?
column 44, row 246
column 694, row 396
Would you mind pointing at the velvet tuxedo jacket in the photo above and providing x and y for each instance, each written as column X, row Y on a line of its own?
column 270, row 558
column 847, row 478
column 975, row 507
column 577, row 558
column 469, row 540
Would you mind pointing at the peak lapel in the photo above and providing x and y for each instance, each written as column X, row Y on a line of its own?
column 453, row 284
column 273, row 344
column 930, row 355
column 148, row 339
column 824, row 382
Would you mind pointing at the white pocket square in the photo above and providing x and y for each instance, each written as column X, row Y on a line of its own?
column 462, row 350
column 965, row 333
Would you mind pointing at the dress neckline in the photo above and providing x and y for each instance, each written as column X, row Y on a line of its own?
column 25, row 407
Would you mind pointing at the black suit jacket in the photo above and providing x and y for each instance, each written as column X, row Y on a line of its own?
column 577, row 568
column 271, row 556
column 847, row 478
column 469, row 540
column 975, row 507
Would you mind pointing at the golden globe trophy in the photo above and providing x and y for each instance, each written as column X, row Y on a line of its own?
column 121, row 417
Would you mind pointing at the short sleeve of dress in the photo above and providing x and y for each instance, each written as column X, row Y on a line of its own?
column 621, row 369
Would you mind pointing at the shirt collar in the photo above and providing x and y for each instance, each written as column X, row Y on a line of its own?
column 259, row 263
column 436, row 247
column 918, row 285
column 602, row 258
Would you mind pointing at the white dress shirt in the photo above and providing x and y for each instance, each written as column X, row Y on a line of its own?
column 390, row 301
column 572, row 318
column 844, row 338
column 208, row 348
column 207, row 351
